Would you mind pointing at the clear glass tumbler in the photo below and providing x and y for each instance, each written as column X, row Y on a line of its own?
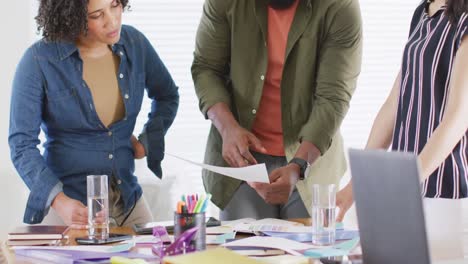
column 98, row 206
column 323, row 214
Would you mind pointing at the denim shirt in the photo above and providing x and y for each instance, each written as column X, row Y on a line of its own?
column 49, row 93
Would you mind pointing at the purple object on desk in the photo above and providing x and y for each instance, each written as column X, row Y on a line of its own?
column 161, row 233
column 75, row 256
column 181, row 245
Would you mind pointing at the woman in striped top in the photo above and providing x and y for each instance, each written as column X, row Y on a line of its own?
column 426, row 111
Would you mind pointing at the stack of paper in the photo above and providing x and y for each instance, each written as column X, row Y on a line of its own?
column 289, row 246
column 36, row 235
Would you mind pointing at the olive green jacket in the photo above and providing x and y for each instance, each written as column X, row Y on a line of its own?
column 323, row 59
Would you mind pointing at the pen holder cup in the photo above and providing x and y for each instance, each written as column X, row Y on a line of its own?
column 185, row 221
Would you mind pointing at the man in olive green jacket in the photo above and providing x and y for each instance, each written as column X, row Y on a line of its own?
column 275, row 77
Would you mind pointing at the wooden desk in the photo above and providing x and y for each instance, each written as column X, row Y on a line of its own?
column 72, row 234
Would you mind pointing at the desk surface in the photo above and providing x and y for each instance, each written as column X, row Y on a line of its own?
column 72, row 234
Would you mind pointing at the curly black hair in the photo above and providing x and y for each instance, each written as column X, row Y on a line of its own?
column 64, row 20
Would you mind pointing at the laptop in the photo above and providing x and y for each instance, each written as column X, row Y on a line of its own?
column 389, row 207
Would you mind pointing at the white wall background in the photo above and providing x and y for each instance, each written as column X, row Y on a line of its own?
column 170, row 25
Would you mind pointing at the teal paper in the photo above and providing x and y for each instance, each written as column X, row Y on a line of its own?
column 337, row 250
column 221, row 239
column 347, row 245
column 325, row 252
column 122, row 247
column 339, row 225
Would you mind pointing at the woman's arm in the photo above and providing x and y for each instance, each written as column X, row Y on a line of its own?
column 380, row 138
column 455, row 120
column 26, row 116
column 164, row 95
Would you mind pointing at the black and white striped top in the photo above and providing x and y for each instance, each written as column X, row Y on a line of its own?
column 425, row 85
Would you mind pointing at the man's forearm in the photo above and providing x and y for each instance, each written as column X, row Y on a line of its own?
column 222, row 117
column 308, row 151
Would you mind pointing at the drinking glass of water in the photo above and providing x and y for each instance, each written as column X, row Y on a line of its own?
column 98, row 206
column 323, row 214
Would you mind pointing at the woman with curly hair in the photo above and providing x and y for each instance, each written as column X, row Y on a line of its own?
column 83, row 84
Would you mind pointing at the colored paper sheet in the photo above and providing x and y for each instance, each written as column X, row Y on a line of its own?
column 336, row 250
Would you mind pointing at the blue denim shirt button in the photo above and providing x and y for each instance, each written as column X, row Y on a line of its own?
column 121, row 76
column 109, row 133
column 111, row 156
column 126, row 96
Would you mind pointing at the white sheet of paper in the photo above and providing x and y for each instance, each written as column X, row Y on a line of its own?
column 274, row 221
column 271, row 224
column 287, row 245
column 253, row 173
column 233, row 223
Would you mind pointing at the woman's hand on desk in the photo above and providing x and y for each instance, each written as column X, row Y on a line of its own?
column 138, row 149
column 72, row 211
column 344, row 201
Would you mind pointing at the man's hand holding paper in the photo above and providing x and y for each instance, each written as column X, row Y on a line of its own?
column 282, row 182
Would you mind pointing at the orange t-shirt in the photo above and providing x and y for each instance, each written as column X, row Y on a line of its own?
column 267, row 125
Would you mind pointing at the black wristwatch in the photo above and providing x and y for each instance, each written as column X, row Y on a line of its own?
column 303, row 165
